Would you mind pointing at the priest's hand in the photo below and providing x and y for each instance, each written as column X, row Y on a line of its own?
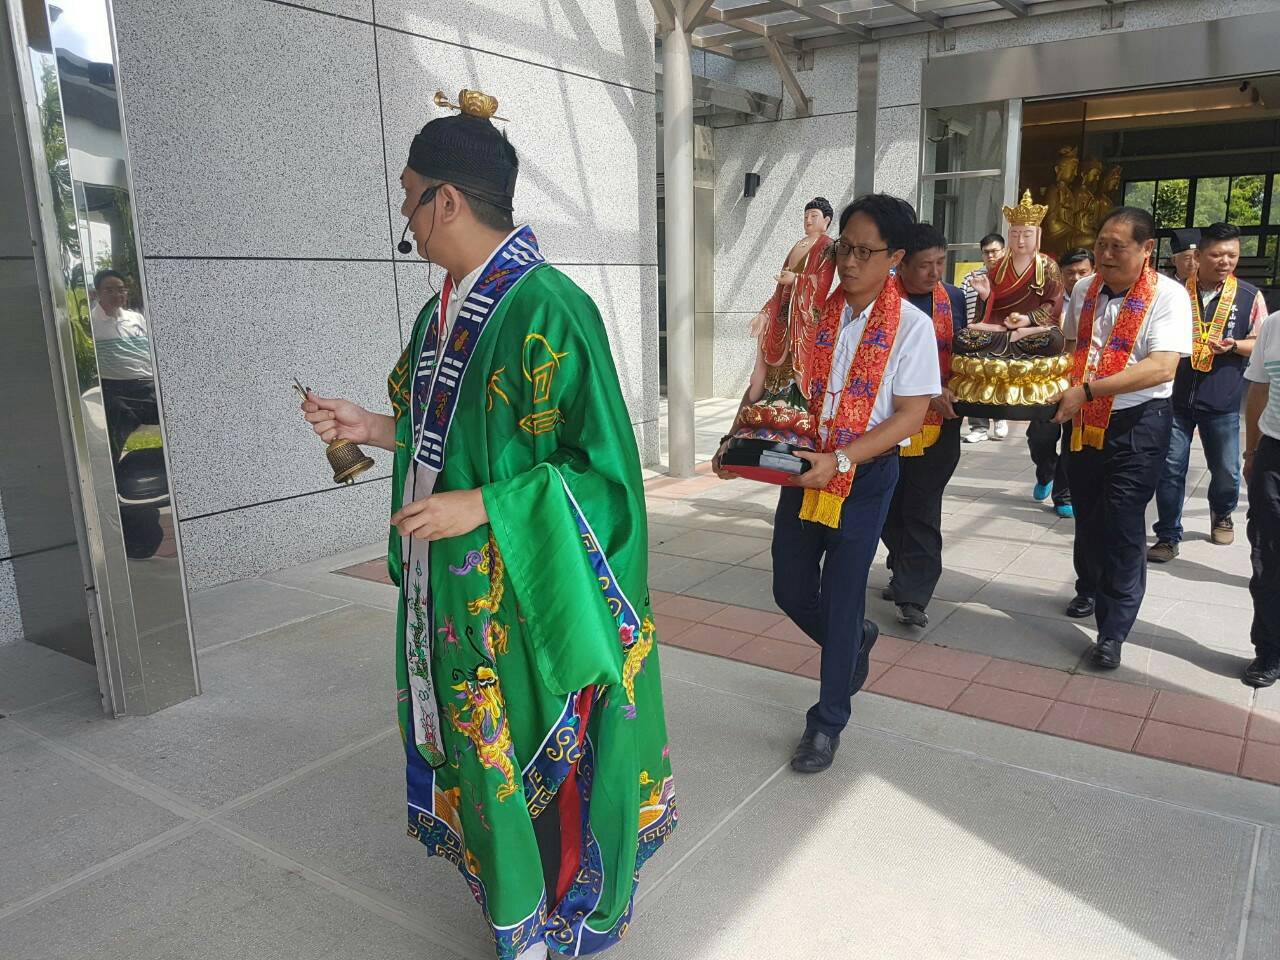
column 334, row 419
column 1069, row 404
column 819, row 474
column 442, row 515
column 943, row 404
column 1219, row 347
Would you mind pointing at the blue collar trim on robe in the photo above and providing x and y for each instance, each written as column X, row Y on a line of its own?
column 434, row 401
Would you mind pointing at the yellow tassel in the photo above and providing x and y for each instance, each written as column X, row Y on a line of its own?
column 822, row 507
column 921, row 442
column 1076, row 441
column 1095, row 436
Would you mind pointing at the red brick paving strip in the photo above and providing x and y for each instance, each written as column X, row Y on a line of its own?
column 1178, row 727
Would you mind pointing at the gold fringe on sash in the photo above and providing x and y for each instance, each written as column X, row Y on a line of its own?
column 922, row 441
column 1092, row 436
column 822, row 507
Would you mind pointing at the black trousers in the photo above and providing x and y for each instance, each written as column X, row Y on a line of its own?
column 1048, row 443
column 1111, row 488
column 913, row 528
column 1264, row 543
column 820, row 581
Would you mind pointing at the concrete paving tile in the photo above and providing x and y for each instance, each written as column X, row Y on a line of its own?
column 890, row 650
column 885, row 615
column 1090, row 725
column 246, row 608
column 1261, row 761
column 705, row 545
column 1198, row 748
column 1047, row 642
column 761, row 561
column 1000, row 528
column 58, row 818
column 1049, row 598
column 31, row 675
column 740, row 586
column 1215, row 624
column 774, row 654
column 205, row 898
column 1023, row 677
column 271, row 703
column 1264, row 726
column 1201, row 713
column 670, row 627
column 745, row 618
column 788, row 631
column 686, row 608
column 1002, row 706
column 660, row 533
column 717, row 641
column 678, row 574
column 1108, row 695
column 1013, row 852
column 1184, row 666
column 930, row 689
column 942, row 660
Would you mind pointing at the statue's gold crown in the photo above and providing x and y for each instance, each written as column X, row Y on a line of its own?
column 1026, row 213
column 471, row 102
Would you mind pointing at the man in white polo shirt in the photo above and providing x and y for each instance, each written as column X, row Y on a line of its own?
column 1127, row 327
column 1262, row 473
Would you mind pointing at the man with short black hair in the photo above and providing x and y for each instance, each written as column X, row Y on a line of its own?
column 874, row 372
column 913, row 529
column 1209, row 390
column 1127, row 329
column 992, row 246
column 1048, row 441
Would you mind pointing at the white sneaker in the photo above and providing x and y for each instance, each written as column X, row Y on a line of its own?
column 975, row 436
column 1000, row 430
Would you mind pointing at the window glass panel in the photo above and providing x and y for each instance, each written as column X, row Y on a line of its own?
column 1273, row 217
column 1244, row 208
column 1171, row 203
column 1140, row 194
column 1248, row 246
column 1211, row 200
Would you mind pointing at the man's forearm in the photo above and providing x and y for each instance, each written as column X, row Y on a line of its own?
column 1151, row 372
column 1245, row 347
column 382, row 431
column 1255, row 404
column 887, row 435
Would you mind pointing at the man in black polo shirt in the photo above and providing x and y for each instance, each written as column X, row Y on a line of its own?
column 1209, row 390
column 913, row 529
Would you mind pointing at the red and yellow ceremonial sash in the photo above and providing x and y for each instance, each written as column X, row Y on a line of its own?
column 1201, row 354
column 1090, row 424
column 861, row 387
column 944, row 330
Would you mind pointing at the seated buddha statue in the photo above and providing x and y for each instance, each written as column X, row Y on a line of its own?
column 1018, row 324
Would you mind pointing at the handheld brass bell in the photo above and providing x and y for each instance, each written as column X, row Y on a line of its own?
column 346, row 458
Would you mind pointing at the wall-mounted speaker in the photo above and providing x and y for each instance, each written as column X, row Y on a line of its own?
column 751, row 185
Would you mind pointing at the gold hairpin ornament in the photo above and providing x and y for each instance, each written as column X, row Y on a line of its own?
column 473, row 103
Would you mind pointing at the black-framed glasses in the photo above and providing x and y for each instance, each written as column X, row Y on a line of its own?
column 858, row 250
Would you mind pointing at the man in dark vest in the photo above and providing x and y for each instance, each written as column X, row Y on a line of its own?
column 913, row 530
column 1209, row 389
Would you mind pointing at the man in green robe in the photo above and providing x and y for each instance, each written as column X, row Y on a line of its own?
column 529, row 691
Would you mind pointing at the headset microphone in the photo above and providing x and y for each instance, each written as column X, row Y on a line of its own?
column 404, row 246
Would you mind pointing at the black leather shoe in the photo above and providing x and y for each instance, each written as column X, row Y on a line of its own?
column 1106, row 653
column 1264, row 670
column 870, row 634
column 912, row 615
column 814, row 753
column 1080, row 607
column 887, row 593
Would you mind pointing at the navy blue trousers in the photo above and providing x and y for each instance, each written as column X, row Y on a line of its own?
column 1110, row 490
column 820, row 581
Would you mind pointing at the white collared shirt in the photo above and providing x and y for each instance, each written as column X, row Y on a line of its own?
column 1264, row 367
column 1167, row 329
column 912, row 370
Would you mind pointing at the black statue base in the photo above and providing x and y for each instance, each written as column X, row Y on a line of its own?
column 1006, row 411
column 768, row 461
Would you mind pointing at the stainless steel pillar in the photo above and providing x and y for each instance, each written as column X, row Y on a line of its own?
column 677, row 140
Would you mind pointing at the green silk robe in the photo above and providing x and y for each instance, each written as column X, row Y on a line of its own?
column 532, row 637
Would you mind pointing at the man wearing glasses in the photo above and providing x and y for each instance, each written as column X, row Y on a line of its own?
column 874, row 370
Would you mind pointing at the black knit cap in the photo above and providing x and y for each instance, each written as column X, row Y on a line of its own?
column 468, row 152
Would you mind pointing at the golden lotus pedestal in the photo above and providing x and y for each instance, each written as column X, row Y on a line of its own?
column 998, row 389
